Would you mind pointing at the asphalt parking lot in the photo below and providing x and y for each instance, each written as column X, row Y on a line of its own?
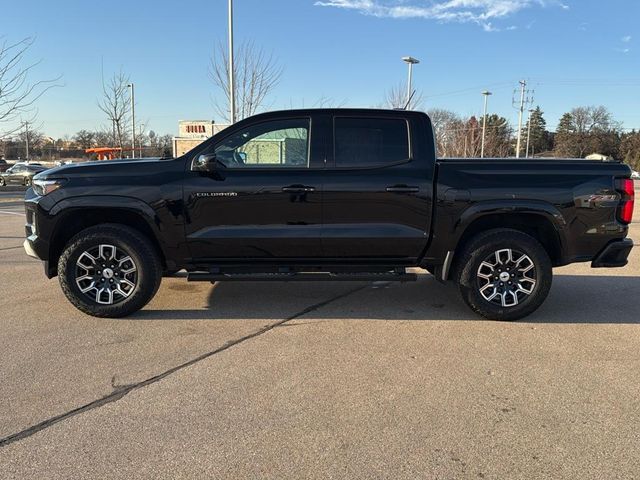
column 318, row 380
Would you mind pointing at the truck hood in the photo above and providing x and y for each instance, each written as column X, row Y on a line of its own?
column 107, row 168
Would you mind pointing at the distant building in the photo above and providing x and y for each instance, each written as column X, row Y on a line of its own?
column 192, row 133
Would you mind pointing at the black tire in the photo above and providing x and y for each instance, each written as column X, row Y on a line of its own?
column 127, row 241
column 476, row 261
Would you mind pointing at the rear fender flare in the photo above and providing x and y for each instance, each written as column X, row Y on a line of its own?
column 511, row 207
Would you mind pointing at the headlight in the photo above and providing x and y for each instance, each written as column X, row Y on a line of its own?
column 45, row 187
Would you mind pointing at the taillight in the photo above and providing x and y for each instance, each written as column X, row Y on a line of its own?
column 625, row 209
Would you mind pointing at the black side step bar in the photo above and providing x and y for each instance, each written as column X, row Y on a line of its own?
column 301, row 277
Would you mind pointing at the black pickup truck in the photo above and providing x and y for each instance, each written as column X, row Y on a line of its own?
column 328, row 194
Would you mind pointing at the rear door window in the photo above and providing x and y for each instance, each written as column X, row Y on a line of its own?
column 370, row 142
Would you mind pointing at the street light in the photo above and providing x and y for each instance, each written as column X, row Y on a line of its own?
column 133, row 123
column 232, row 93
column 486, row 95
column 411, row 62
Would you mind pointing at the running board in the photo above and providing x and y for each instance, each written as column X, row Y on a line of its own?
column 301, row 277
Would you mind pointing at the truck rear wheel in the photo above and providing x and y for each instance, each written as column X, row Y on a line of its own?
column 109, row 271
column 503, row 274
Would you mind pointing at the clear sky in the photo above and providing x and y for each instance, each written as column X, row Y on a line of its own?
column 572, row 52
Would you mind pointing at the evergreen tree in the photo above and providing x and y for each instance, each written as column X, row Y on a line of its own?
column 565, row 138
column 540, row 137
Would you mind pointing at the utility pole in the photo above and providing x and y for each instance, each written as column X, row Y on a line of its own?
column 232, row 90
column 411, row 62
column 133, row 123
column 531, row 110
column 526, row 98
column 486, row 95
column 140, row 138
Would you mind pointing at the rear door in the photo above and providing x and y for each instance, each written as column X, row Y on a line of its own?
column 377, row 189
column 264, row 200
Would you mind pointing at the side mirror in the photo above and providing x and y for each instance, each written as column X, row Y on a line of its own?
column 204, row 163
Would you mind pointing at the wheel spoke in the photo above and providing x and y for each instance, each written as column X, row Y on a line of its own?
column 86, row 257
column 107, row 252
column 88, row 288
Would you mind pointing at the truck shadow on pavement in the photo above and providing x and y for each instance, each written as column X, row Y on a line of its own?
column 573, row 300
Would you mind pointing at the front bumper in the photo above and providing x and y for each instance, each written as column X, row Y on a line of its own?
column 614, row 255
column 29, row 249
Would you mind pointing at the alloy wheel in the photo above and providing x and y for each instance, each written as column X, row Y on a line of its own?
column 106, row 274
column 507, row 277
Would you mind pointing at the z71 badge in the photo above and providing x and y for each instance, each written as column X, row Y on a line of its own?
column 215, row 194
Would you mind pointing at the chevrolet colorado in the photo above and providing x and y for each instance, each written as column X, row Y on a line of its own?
column 326, row 194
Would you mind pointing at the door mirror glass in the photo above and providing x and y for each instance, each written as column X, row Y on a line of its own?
column 204, row 163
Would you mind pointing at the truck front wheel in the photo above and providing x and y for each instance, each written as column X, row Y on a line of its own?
column 503, row 274
column 109, row 271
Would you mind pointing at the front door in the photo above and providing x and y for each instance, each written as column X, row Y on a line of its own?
column 263, row 200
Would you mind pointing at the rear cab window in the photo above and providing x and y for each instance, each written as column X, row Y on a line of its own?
column 365, row 142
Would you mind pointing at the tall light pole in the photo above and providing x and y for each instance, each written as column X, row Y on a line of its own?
column 531, row 110
column 232, row 92
column 411, row 62
column 486, row 95
column 133, row 122
column 26, row 140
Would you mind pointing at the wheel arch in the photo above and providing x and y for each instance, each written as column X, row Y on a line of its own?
column 73, row 220
column 547, row 227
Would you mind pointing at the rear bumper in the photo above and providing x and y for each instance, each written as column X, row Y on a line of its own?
column 614, row 255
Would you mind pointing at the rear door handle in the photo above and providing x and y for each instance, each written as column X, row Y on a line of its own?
column 403, row 189
column 298, row 189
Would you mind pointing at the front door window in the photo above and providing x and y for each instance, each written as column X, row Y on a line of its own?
column 275, row 144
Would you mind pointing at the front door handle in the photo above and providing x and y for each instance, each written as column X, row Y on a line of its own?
column 403, row 189
column 298, row 189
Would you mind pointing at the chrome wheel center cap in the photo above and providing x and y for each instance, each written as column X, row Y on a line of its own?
column 504, row 276
column 107, row 273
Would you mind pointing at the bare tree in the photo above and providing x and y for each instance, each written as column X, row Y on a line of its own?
column 116, row 104
column 17, row 93
column 396, row 97
column 85, row 139
column 256, row 74
column 462, row 138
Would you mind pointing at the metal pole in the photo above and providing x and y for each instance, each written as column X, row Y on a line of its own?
column 528, row 132
column 486, row 94
column 523, row 86
column 232, row 92
column 133, row 123
column 26, row 139
column 409, row 86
